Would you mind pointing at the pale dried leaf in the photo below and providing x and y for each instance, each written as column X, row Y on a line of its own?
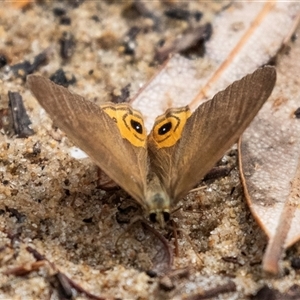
column 168, row 89
column 245, row 36
column 270, row 161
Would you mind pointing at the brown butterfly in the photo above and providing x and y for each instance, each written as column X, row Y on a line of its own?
column 159, row 169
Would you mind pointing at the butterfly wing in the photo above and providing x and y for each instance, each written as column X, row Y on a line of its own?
column 211, row 130
column 96, row 133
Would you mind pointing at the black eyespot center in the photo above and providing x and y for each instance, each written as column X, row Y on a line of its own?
column 137, row 126
column 165, row 128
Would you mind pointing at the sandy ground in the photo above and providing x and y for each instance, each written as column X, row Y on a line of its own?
column 51, row 202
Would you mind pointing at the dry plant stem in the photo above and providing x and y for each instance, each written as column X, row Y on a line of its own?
column 198, row 189
column 214, row 292
column 276, row 245
column 179, row 273
column 39, row 257
column 81, row 290
column 163, row 240
column 24, row 270
column 156, row 233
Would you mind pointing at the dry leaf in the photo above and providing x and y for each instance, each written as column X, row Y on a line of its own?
column 245, row 37
column 168, row 89
column 270, row 161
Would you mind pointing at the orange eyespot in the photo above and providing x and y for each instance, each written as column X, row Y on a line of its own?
column 168, row 128
column 129, row 121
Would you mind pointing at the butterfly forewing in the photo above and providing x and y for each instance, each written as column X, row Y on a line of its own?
column 211, row 130
column 92, row 130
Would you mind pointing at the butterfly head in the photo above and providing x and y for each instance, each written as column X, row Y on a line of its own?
column 157, row 201
column 159, row 212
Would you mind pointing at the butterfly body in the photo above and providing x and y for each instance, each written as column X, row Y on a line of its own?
column 159, row 169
